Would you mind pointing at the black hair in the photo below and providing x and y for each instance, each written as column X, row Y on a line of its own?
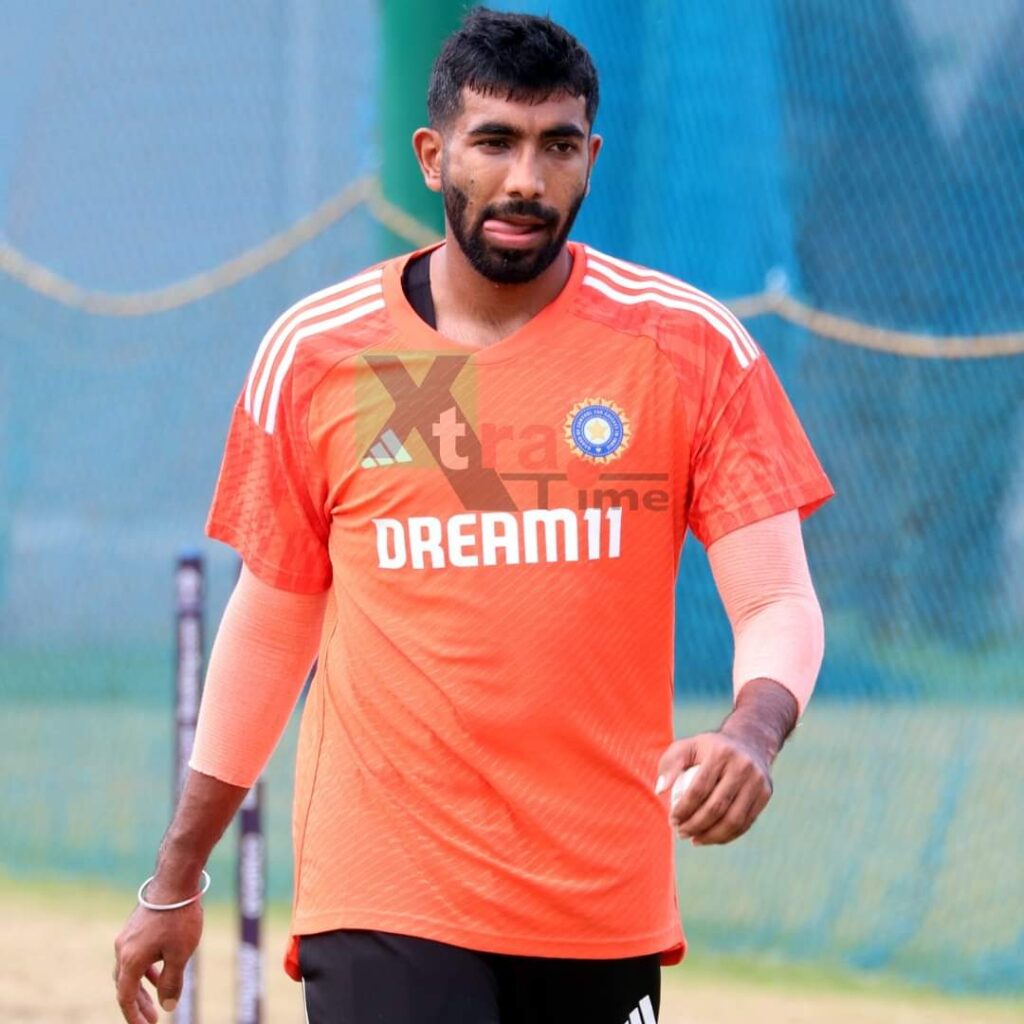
column 518, row 56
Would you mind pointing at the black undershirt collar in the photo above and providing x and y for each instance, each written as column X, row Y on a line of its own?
column 416, row 285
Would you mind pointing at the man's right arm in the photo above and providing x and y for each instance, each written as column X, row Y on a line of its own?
column 205, row 809
column 260, row 659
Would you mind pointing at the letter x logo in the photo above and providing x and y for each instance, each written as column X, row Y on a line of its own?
column 431, row 409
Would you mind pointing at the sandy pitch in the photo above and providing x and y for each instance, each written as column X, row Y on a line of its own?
column 57, row 961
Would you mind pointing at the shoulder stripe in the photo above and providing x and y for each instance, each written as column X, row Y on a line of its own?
column 300, row 312
column 309, row 318
column 644, row 277
column 304, row 332
column 680, row 290
column 632, row 299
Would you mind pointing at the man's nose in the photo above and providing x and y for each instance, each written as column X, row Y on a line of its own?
column 524, row 179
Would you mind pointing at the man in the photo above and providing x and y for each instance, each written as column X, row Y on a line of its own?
column 462, row 480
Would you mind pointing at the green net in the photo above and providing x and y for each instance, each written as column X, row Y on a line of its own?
column 180, row 174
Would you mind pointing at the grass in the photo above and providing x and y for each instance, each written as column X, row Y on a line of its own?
column 103, row 900
column 707, row 988
column 889, row 841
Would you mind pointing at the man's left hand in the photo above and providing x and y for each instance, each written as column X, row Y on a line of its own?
column 730, row 790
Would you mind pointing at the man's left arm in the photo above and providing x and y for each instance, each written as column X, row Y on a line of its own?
column 762, row 577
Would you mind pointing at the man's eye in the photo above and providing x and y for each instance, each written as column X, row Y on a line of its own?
column 564, row 147
column 494, row 143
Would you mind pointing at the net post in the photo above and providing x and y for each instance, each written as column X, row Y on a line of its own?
column 189, row 594
column 251, row 883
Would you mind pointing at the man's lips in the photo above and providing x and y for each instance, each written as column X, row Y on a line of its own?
column 514, row 230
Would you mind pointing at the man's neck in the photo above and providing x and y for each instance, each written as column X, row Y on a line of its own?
column 474, row 309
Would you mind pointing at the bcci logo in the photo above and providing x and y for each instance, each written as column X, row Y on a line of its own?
column 597, row 430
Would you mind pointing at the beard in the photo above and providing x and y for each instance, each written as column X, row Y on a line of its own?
column 506, row 266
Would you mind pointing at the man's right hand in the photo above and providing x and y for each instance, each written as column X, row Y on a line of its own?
column 151, row 937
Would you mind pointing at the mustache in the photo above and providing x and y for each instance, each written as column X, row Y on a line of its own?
column 519, row 208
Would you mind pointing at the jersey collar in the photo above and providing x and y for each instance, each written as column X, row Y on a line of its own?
column 414, row 333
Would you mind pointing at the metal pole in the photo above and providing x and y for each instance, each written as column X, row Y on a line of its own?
column 251, row 893
column 188, row 684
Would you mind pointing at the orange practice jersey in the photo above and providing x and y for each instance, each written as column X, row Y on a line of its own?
column 499, row 528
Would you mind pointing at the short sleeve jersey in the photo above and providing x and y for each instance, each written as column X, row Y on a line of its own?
column 499, row 528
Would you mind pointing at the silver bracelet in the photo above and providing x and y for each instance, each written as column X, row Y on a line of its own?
column 143, row 902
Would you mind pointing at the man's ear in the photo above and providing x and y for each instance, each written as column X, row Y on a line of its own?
column 428, row 145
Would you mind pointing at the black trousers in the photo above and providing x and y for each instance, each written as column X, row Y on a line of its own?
column 368, row 977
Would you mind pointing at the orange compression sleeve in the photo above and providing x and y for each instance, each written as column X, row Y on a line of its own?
column 761, row 574
column 261, row 656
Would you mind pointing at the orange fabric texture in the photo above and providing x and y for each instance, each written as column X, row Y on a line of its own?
column 762, row 576
column 265, row 645
column 500, row 528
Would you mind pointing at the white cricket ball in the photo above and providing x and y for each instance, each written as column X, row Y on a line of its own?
column 682, row 784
